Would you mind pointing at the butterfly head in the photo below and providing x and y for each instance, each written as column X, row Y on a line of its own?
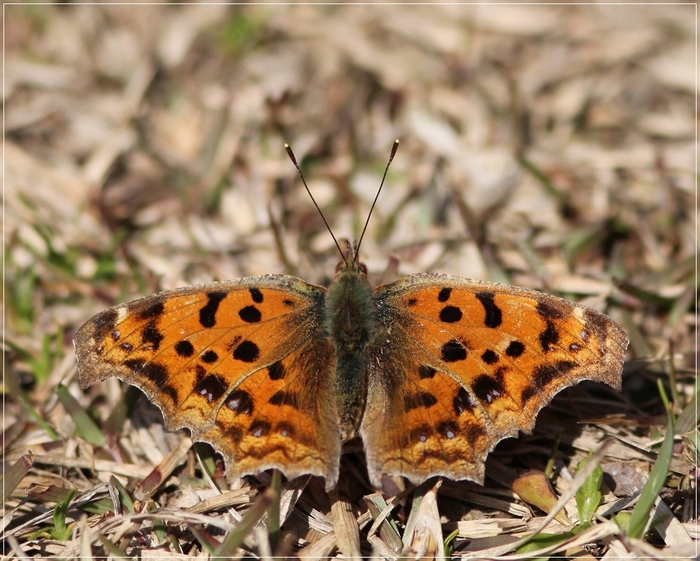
column 351, row 262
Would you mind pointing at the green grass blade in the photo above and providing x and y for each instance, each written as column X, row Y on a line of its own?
column 687, row 420
column 84, row 425
column 588, row 497
column 60, row 531
column 541, row 541
column 640, row 516
column 124, row 496
column 24, row 402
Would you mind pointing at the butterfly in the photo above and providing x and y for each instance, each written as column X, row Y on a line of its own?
column 431, row 371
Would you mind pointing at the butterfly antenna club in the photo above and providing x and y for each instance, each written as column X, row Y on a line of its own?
column 394, row 148
column 296, row 165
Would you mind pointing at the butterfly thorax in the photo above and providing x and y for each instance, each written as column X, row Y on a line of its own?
column 350, row 326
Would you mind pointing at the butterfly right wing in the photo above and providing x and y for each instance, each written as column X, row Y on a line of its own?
column 242, row 364
column 460, row 364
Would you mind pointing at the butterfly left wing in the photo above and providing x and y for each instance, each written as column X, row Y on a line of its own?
column 458, row 365
column 240, row 363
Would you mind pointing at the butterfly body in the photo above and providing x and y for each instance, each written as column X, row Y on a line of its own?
column 351, row 327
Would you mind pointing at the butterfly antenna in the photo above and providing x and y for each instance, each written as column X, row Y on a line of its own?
column 296, row 165
column 394, row 148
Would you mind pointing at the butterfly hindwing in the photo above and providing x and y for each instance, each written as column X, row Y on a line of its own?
column 418, row 421
column 282, row 416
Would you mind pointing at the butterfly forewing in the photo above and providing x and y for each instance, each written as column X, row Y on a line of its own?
column 225, row 359
column 477, row 362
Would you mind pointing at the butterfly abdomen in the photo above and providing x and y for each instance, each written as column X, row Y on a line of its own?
column 350, row 325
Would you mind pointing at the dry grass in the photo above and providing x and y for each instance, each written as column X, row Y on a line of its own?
column 545, row 146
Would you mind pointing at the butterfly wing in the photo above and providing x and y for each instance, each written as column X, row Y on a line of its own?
column 458, row 365
column 242, row 364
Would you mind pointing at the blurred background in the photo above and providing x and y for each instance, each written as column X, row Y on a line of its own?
column 546, row 146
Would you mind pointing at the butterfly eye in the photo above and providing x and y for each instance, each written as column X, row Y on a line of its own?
column 363, row 268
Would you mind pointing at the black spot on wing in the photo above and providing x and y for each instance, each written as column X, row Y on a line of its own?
column 549, row 337
column 527, row 394
column 418, row 400
column 256, row 295
column 184, row 349
column 489, row 357
column 450, row 314
column 444, row 294
column 151, row 337
column 544, row 374
column 499, row 374
column 515, row 349
column 448, row 429
column 149, row 311
column 207, row 315
column 453, row 351
column 209, row 357
column 487, row 388
column 259, row 428
column 104, row 324
column 462, row 402
column 549, row 311
column 284, row 398
column 250, row 314
column 493, row 317
column 211, row 387
column 246, row 351
column 426, row 371
column 156, row 373
column 239, row 401
column 276, row 371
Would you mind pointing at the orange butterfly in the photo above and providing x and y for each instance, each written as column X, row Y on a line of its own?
column 431, row 370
